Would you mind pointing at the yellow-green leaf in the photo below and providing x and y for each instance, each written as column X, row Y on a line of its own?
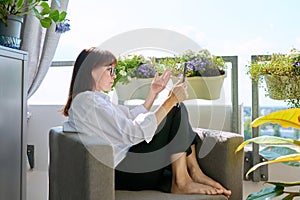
column 292, row 157
column 268, row 140
column 285, row 118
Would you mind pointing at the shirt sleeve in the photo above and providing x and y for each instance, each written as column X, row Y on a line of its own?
column 134, row 112
column 112, row 123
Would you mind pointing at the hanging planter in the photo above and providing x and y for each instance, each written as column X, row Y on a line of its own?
column 205, row 73
column 208, row 88
column 281, row 73
column 137, row 88
column 10, row 34
column 282, row 87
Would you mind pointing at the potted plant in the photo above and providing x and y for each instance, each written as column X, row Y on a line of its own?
column 13, row 11
column 281, row 73
column 205, row 72
column 134, row 74
column 285, row 151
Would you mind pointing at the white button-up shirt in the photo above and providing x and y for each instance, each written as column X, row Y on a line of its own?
column 93, row 113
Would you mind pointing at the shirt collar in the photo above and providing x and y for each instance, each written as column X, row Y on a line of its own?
column 102, row 95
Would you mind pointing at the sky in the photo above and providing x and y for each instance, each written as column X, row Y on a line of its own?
column 228, row 28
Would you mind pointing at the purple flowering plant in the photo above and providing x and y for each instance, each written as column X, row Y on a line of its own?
column 144, row 71
column 201, row 63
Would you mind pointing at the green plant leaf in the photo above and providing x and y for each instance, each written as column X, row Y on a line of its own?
column 37, row 13
column 19, row 4
column 268, row 140
column 273, row 152
column 62, row 16
column 292, row 157
column 46, row 22
column 285, row 118
column 266, row 193
column 291, row 196
column 284, row 184
column 54, row 15
column 46, row 8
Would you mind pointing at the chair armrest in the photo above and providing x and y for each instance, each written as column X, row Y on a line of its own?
column 80, row 167
column 217, row 159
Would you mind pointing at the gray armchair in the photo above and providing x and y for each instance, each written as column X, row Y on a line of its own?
column 79, row 168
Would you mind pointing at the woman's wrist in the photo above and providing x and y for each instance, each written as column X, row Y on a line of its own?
column 150, row 100
column 172, row 99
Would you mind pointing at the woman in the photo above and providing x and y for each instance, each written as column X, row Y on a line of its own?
column 152, row 150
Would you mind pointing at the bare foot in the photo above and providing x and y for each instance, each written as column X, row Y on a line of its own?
column 190, row 187
column 201, row 178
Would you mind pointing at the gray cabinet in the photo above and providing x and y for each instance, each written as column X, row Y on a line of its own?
column 13, row 75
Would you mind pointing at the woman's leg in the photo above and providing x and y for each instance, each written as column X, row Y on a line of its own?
column 144, row 164
column 198, row 176
column 182, row 183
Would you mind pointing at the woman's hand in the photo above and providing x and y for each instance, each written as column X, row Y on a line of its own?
column 177, row 94
column 159, row 82
column 179, row 91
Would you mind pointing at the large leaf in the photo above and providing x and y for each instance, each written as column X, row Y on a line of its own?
column 291, row 196
column 284, row 184
column 285, row 118
column 292, row 157
column 273, row 152
column 268, row 140
column 266, row 193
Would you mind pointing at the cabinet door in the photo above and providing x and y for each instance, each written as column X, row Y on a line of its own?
column 11, row 83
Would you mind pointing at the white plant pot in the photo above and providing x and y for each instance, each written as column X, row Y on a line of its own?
column 208, row 88
column 137, row 88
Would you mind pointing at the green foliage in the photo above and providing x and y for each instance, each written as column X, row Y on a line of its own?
column 201, row 63
column 274, row 152
column 173, row 63
column 282, row 74
column 129, row 65
column 126, row 66
column 279, row 152
column 39, row 8
column 267, row 193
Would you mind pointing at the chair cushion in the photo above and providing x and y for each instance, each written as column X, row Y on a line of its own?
column 157, row 195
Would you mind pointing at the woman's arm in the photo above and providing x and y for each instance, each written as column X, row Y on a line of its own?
column 158, row 84
column 176, row 95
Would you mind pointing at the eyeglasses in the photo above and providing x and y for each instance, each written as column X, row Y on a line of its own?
column 112, row 70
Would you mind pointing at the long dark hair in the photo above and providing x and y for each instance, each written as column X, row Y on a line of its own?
column 82, row 79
